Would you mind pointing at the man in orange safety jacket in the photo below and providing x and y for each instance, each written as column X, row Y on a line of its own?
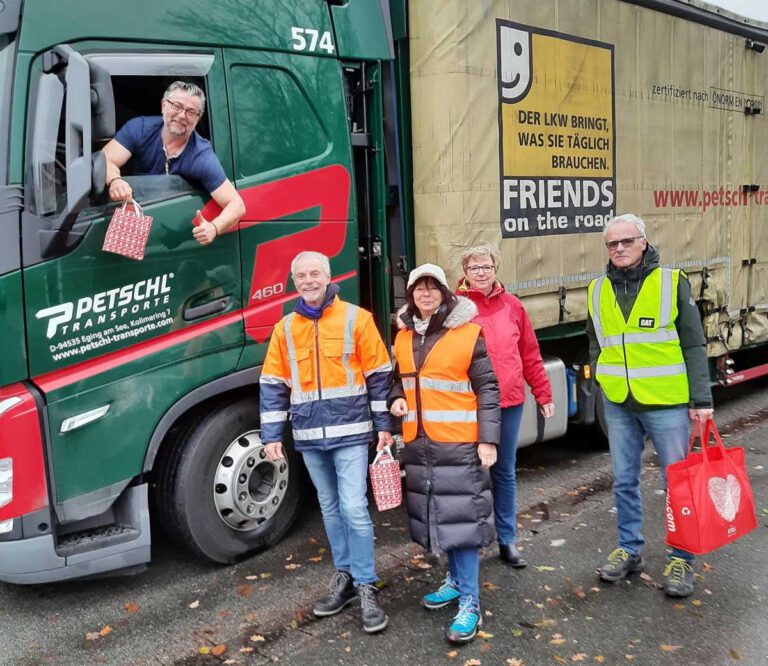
column 328, row 367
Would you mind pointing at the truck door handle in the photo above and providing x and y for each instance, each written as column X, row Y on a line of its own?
column 206, row 309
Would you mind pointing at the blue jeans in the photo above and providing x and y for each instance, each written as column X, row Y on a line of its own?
column 464, row 565
column 340, row 477
column 504, row 475
column 669, row 429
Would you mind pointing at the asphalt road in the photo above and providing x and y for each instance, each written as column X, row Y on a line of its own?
column 181, row 611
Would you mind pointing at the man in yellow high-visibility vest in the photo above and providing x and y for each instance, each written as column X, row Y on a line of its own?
column 648, row 353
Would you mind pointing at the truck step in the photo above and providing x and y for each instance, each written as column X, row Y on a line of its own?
column 98, row 537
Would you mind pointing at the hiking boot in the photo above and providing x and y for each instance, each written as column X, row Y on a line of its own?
column 374, row 617
column 678, row 578
column 446, row 594
column 463, row 629
column 510, row 555
column 619, row 565
column 342, row 593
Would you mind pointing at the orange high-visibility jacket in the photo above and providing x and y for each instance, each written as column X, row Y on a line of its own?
column 333, row 374
column 448, row 403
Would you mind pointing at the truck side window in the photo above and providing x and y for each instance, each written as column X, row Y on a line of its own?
column 275, row 125
column 134, row 95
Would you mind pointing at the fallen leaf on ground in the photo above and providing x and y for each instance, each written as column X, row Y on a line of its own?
column 291, row 567
column 266, row 575
column 556, row 543
column 707, row 567
column 246, row 649
column 254, row 577
column 557, row 641
column 245, row 590
column 517, row 633
column 312, row 540
column 581, row 656
column 514, row 662
column 195, row 603
column 484, row 634
column 490, row 586
column 678, row 606
column 131, row 607
column 559, row 659
column 452, row 654
column 219, row 650
column 645, row 576
column 696, row 602
column 250, row 617
column 599, row 658
column 92, row 636
column 224, row 613
column 735, row 655
column 670, row 648
column 580, row 593
column 204, row 650
column 257, row 638
column 294, row 624
column 541, row 624
column 472, row 662
column 231, row 661
column 545, row 567
column 319, row 558
column 105, row 631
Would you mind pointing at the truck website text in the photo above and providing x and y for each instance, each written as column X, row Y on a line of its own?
column 705, row 199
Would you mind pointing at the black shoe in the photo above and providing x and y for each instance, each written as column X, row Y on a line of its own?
column 374, row 618
column 619, row 565
column 342, row 593
column 678, row 578
column 510, row 555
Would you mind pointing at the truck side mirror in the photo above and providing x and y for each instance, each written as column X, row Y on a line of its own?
column 102, row 104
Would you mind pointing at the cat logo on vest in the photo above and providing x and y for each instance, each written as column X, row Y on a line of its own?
column 646, row 322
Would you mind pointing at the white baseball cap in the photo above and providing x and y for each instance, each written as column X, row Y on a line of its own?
column 427, row 270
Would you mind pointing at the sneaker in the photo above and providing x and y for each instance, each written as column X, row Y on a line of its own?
column 446, row 594
column 678, row 578
column 342, row 593
column 374, row 617
column 463, row 629
column 619, row 565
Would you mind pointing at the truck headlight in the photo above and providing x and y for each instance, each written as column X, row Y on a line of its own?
column 6, row 481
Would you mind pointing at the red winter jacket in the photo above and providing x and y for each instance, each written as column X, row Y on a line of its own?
column 511, row 343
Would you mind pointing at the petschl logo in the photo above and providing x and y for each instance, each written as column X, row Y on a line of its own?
column 107, row 305
column 646, row 322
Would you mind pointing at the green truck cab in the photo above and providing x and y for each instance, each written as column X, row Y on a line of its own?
column 122, row 379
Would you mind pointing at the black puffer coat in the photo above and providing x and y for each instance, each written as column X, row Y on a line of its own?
column 448, row 492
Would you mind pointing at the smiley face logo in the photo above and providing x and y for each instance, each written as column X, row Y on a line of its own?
column 514, row 63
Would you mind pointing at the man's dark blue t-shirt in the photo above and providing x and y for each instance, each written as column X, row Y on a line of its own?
column 142, row 137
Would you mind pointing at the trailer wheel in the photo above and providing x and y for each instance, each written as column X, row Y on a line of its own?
column 217, row 492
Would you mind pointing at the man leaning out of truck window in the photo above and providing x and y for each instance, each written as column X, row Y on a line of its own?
column 169, row 144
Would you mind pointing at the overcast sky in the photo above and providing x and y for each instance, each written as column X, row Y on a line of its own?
column 754, row 9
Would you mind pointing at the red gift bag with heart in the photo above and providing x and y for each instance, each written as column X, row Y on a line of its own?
column 128, row 232
column 385, row 480
column 709, row 499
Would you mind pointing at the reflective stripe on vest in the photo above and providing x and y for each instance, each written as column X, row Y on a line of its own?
column 448, row 404
column 642, row 353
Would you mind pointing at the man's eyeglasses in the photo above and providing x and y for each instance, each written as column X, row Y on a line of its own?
column 480, row 269
column 625, row 242
column 189, row 113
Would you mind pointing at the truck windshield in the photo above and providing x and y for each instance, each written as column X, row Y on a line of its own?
column 6, row 80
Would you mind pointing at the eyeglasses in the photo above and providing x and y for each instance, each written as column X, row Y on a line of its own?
column 189, row 113
column 625, row 242
column 480, row 269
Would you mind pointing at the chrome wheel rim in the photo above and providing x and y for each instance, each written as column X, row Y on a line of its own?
column 248, row 489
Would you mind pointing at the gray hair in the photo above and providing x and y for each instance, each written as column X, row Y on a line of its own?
column 318, row 256
column 190, row 89
column 482, row 250
column 627, row 217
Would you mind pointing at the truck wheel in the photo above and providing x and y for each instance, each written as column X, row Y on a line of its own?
column 217, row 492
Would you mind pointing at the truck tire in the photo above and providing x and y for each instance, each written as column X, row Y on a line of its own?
column 217, row 493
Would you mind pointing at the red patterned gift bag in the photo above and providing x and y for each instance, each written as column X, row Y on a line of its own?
column 385, row 480
column 128, row 232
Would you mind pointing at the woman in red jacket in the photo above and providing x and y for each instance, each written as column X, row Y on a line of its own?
column 516, row 359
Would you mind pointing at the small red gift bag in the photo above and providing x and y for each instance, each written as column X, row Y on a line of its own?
column 709, row 499
column 128, row 232
column 385, row 480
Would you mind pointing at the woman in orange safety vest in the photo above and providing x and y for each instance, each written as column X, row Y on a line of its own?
column 448, row 396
